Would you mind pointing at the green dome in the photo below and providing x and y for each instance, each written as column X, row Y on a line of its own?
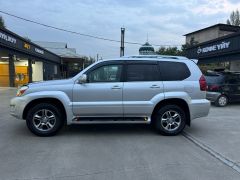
column 146, row 49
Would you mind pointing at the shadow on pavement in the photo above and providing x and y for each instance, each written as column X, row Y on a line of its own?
column 108, row 129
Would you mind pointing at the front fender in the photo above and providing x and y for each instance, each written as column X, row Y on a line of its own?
column 59, row 95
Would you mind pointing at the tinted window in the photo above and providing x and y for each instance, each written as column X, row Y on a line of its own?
column 108, row 73
column 174, row 71
column 142, row 72
column 233, row 79
column 214, row 79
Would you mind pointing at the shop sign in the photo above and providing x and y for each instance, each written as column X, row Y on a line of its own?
column 26, row 45
column 7, row 38
column 215, row 47
column 40, row 51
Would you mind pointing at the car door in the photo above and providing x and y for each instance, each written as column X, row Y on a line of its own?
column 141, row 85
column 101, row 95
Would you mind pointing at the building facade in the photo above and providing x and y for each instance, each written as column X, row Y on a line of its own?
column 22, row 61
column 210, row 33
column 214, row 44
column 72, row 63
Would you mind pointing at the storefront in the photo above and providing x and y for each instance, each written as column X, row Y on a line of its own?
column 223, row 49
column 22, row 61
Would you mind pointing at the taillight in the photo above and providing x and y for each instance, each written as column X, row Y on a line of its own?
column 203, row 83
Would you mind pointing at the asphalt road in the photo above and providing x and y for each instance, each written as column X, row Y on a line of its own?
column 115, row 151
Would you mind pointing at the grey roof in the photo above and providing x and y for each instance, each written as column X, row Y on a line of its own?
column 59, row 48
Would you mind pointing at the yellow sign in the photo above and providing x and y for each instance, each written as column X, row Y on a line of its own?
column 26, row 46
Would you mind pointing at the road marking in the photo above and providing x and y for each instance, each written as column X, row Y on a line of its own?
column 217, row 155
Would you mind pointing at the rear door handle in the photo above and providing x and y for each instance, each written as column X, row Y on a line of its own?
column 155, row 86
column 116, row 87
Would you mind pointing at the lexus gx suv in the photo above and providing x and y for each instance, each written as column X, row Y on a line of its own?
column 167, row 92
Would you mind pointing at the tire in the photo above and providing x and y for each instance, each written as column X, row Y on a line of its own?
column 44, row 120
column 221, row 101
column 170, row 120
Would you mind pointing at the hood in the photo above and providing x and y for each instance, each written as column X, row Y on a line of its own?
column 51, row 82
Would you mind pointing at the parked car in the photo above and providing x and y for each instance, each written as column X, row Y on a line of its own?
column 223, row 87
column 166, row 91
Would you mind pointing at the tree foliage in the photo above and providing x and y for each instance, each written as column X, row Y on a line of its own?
column 234, row 18
column 2, row 23
column 174, row 51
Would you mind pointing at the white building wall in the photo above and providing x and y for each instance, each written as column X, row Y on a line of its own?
column 37, row 71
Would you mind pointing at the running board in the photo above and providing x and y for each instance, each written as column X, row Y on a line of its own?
column 112, row 120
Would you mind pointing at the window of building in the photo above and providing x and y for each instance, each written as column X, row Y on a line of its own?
column 55, row 69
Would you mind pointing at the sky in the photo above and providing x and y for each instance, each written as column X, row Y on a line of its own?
column 164, row 22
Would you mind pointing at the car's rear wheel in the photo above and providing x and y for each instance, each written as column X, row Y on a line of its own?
column 170, row 120
column 221, row 101
column 44, row 120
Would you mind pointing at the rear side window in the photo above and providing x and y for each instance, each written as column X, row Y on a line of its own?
column 142, row 72
column 173, row 71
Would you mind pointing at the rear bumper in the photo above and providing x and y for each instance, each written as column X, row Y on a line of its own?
column 213, row 96
column 199, row 108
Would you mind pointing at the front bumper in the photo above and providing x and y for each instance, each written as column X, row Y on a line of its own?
column 212, row 96
column 17, row 106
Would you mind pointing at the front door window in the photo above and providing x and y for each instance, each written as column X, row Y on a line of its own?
column 108, row 73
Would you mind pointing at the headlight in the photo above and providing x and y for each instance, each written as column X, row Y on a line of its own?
column 21, row 90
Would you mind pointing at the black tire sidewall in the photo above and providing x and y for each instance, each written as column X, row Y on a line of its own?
column 161, row 111
column 54, row 109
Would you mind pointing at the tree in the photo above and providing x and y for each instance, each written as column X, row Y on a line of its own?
column 88, row 61
column 174, row 51
column 234, row 18
column 2, row 23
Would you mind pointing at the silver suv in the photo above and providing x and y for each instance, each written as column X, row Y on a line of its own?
column 165, row 91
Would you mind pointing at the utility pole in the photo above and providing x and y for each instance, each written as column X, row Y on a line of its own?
column 122, row 42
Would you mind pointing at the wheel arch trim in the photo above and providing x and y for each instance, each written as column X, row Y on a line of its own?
column 50, row 97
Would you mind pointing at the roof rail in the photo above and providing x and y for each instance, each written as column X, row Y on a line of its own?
column 156, row 56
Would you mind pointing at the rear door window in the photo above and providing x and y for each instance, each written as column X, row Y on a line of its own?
column 142, row 72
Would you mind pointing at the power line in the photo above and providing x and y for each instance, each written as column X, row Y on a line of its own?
column 74, row 32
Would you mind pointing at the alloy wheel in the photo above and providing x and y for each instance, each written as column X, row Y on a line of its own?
column 171, row 120
column 44, row 120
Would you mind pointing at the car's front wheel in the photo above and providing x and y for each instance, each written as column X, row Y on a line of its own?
column 170, row 120
column 44, row 119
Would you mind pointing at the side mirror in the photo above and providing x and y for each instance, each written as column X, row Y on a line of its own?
column 83, row 79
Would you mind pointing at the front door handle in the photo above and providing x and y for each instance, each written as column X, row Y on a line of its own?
column 155, row 86
column 116, row 87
